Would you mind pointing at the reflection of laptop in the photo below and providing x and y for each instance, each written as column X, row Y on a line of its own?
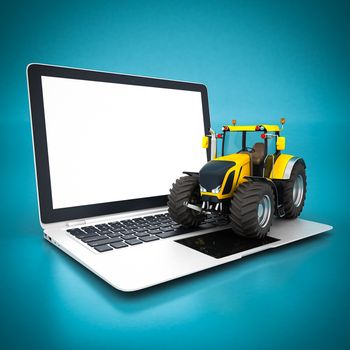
column 107, row 148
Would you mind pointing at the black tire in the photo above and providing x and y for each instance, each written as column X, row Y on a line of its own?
column 294, row 204
column 245, row 209
column 185, row 189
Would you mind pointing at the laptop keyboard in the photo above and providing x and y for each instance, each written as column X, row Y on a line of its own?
column 126, row 233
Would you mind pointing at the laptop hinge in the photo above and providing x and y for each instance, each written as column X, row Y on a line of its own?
column 76, row 223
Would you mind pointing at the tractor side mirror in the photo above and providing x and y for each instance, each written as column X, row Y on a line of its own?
column 205, row 142
column 281, row 143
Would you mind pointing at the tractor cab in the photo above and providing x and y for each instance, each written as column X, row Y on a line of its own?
column 262, row 143
column 246, row 151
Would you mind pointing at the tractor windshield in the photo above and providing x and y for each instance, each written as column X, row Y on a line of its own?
column 236, row 141
column 231, row 143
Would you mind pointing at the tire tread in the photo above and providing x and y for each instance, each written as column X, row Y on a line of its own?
column 181, row 192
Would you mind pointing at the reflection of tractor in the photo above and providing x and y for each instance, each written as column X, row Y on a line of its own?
column 250, row 185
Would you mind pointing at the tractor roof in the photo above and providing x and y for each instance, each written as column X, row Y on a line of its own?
column 267, row 127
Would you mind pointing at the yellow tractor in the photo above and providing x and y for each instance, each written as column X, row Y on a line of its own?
column 249, row 185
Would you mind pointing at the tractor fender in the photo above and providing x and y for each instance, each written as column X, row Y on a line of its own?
column 284, row 165
column 278, row 203
column 278, row 200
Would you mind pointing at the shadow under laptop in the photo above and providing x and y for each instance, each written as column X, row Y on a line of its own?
column 182, row 292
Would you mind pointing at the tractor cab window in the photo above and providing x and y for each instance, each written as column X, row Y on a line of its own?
column 254, row 141
column 235, row 142
column 249, row 142
column 272, row 145
column 232, row 143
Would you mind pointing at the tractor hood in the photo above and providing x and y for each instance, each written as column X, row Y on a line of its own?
column 212, row 174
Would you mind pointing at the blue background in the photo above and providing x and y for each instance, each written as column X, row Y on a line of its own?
column 261, row 60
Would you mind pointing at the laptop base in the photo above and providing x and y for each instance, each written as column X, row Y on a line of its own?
column 138, row 267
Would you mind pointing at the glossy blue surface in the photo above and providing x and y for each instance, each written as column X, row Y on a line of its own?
column 261, row 60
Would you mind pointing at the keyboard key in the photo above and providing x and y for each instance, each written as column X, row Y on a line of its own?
column 92, row 231
column 103, row 248
column 119, row 228
column 154, row 232
column 117, row 239
column 104, row 241
column 149, row 238
column 133, row 241
column 177, row 232
column 120, row 231
column 140, row 229
column 163, row 219
column 141, row 234
column 168, row 229
column 128, row 232
column 104, row 232
column 92, row 238
column 89, row 228
column 130, row 226
column 102, row 227
column 129, row 237
column 127, row 222
column 113, row 234
column 138, row 220
column 95, row 243
column 84, row 236
column 164, row 225
column 76, row 232
column 118, row 245
column 114, row 225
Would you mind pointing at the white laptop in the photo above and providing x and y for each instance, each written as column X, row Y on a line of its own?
column 107, row 149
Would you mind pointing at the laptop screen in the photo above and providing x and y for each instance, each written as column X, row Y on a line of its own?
column 109, row 141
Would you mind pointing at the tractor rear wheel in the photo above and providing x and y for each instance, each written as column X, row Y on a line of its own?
column 294, row 192
column 252, row 209
column 185, row 190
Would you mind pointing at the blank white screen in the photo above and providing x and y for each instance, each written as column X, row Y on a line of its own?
column 109, row 142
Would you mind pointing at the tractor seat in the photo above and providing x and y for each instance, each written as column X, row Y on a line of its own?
column 259, row 155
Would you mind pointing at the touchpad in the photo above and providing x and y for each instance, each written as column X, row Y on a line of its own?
column 223, row 243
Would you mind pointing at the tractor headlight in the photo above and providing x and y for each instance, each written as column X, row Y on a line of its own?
column 202, row 189
column 216, row 190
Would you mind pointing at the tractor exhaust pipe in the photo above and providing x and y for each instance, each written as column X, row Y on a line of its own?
column 212, row 144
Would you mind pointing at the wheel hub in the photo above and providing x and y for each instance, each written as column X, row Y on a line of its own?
column 298, row 190
column 264, row 211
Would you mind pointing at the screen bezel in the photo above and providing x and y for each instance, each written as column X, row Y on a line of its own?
column 47, row 213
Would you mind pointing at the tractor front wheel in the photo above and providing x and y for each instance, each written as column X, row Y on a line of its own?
column 252, row 209
column 185, row 190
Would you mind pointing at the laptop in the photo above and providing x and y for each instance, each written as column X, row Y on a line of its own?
column 107, row 148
